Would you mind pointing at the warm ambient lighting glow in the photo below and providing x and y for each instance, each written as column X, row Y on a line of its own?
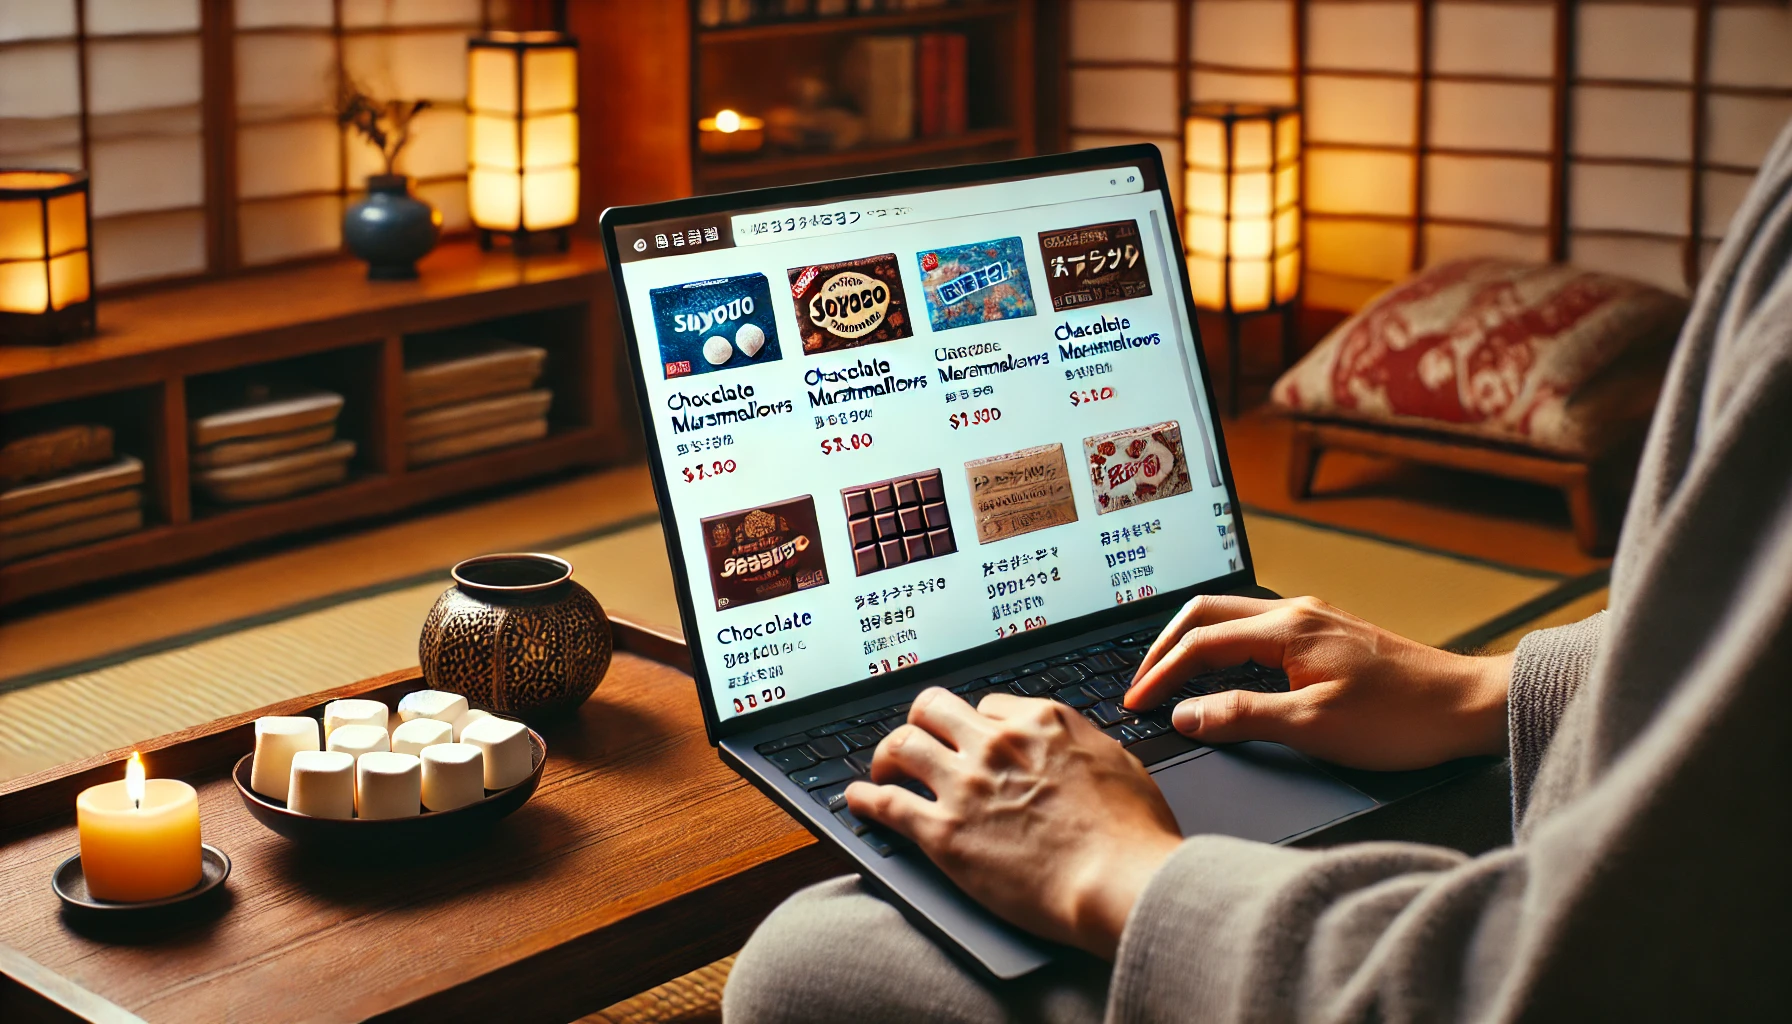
column 46, row 272
column 727, row 121
column 1241, row 199
column 523, row 131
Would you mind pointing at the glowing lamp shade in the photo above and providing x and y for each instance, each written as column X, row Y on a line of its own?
column 1241, row 201
column 46, row 269
column 523, row 132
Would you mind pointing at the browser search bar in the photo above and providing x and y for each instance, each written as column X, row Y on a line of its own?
column 846, row 215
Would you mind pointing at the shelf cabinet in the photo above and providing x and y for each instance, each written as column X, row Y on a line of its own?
column 162, row 358
column 651, row 71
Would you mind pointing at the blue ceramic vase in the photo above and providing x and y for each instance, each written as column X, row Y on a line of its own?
column 391, row 228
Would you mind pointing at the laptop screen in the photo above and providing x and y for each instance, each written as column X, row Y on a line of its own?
column 896, row 427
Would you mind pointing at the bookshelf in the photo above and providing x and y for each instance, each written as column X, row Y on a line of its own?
column 651, row 71
column 765, row 66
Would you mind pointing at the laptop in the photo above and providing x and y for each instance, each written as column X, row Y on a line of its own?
column 942, row 428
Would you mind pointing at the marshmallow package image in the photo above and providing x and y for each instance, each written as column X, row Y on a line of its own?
column 365, row 761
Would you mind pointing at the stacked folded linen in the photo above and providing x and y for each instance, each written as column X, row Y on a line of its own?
column 64, row 487
column 476, row 397
column 270, row 449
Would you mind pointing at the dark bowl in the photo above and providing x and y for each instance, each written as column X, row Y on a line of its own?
column 428, row 828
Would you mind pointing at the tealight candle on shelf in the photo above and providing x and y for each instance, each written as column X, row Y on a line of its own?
column 730, row 132
column 418, row 733
column 139, row 837
column 353, row 711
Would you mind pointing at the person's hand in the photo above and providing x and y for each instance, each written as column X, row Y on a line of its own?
column 1359, row 695
column 1038, row 816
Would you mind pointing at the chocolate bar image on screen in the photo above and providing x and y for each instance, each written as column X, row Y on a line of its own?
column 760, row 553
column 851, row 303
column 1128, row 467
column 1093, row 264
column 1020, row 492
column 897, row 521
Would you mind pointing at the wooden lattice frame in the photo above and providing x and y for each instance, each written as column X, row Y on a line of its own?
column 1558, row 231
column 218, row 116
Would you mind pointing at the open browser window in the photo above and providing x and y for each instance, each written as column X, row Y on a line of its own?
column 900, row 426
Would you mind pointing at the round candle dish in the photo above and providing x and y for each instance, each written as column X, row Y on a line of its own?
column 71, row 886
column 427, row 828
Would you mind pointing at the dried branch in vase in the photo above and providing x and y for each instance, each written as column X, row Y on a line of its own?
column 385, row 123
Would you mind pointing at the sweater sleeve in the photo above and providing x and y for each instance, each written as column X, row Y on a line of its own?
column 1547, row 670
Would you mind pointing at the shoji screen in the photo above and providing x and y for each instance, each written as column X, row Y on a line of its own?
column 1619, row 134
column 294, row 167
column 114, row 86
column 1125, row 80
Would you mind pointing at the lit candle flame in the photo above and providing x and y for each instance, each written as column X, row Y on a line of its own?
column 727, row 122
column 133, row 779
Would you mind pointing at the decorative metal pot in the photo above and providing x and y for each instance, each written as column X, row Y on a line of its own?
column 391, row 228
column 515, row 634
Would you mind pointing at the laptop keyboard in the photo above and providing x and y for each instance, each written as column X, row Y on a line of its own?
column 828, row 758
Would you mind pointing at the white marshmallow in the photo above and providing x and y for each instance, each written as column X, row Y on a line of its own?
column 461, row 723
column 717, row 350
column 339, row 713
column 453, row 776
column 505, row 744
column 412, row 736
column 388, row 785
column 749, row 339
column 323, row 784
column 277, row 739
column 355, row 740
column 437, row 704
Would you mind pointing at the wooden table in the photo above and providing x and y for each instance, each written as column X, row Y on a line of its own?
column 640, row 858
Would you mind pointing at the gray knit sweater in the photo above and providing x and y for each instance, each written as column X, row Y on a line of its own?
column 1651, row 760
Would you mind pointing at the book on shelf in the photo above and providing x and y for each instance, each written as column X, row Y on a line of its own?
column 879, row 74
column 941, row 81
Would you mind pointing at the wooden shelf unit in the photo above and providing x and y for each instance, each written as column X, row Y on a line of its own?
column 155, row 345
column 924, row 19
column 751, row 68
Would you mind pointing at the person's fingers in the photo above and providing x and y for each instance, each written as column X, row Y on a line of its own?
column 1003, row 705
column 1201, row 610
column 1259, row 638
column 900, row 809
column 1233, row 716
column 947, row 716
column 910, row 752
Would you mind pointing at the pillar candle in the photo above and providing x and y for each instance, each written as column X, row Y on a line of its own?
column 139, row 837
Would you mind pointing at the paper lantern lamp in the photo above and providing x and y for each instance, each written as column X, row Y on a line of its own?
column 1241, row 203
column 46, row 269
column 523, row 134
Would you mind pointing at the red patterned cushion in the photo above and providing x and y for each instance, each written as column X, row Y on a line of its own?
column 1542, row 355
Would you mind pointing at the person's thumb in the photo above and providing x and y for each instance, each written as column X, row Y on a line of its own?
column 1232, row 716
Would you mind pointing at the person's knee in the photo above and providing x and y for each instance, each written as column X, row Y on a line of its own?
column 833, row 952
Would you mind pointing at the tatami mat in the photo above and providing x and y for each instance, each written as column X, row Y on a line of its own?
column 1429, row 596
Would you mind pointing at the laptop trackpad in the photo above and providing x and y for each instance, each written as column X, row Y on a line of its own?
column 1261, row 791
